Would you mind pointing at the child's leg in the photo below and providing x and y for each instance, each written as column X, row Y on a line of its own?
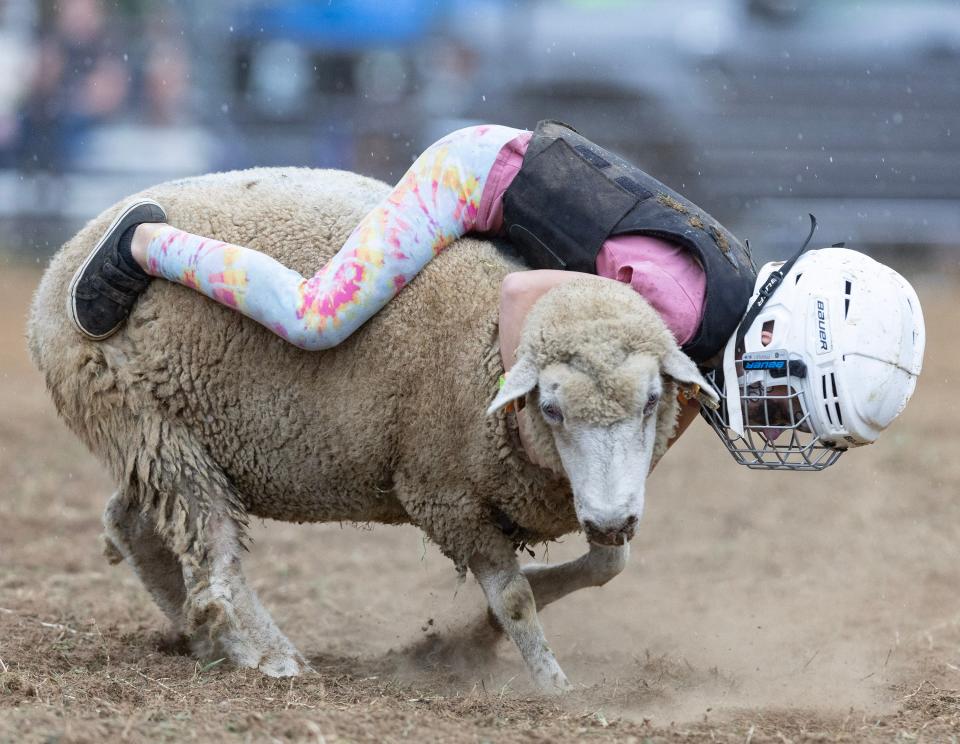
column 434, row 204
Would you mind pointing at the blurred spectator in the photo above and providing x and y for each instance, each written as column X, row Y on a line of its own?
column 163, row 66
column 166, row 79
column 77, row 82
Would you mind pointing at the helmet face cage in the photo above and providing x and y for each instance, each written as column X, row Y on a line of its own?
column 824, row 333
column 778, row 427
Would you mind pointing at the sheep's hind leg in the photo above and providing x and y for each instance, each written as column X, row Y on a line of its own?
column 129, row 536
column 226, row 615
column 512, row 603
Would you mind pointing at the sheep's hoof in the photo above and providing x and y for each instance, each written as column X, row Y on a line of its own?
column 557, row 687
column 278, row 659
column 555, row 683
column 284, row 664
column 251, row 642
column 282, row 660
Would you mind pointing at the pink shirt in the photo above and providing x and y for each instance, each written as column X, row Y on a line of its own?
column 667, row 276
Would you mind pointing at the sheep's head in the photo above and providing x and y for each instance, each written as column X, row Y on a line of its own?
column 600, row 373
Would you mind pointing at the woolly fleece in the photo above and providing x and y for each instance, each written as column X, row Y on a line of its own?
column 193, row 405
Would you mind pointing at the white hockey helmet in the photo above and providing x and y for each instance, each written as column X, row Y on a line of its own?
column 826, row 358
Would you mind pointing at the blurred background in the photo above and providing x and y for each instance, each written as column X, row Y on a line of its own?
column 759, row 110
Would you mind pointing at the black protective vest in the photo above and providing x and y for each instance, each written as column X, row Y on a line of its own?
column 570, row 195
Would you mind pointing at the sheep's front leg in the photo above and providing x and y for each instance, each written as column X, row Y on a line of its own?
column 594, row 568
column 512, row 602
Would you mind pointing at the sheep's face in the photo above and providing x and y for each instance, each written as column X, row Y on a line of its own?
column 604, row 431
column 605, row 422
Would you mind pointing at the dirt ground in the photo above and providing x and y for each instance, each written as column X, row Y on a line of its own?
column 757, row 607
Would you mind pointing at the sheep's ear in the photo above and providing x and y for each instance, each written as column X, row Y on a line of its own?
column 519, row 381
column 684, row 372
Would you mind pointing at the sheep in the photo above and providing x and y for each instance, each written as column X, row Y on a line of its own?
column 204, row 418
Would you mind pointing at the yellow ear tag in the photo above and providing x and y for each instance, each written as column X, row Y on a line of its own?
column 510, row 407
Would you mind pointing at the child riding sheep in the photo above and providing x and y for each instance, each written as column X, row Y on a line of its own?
column 812, row 357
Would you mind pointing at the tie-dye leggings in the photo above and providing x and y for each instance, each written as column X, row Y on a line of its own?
column 435, row 203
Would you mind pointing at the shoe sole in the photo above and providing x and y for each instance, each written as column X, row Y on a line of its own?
column 78, row 274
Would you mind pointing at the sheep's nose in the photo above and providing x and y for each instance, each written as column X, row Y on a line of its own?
column 611, row 533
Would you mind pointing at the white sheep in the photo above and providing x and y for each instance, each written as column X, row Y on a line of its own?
column 203, row 417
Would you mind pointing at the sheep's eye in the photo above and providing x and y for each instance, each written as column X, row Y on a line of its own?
column 552, row 413
column 652, row 401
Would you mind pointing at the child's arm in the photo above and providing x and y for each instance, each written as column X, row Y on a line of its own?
column 518, row 293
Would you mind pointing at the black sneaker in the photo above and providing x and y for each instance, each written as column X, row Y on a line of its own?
column 106, row 285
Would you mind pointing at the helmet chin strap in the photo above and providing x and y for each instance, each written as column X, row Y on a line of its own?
column 735, row 344
column 769, row 287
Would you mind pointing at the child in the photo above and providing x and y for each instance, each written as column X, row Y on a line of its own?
column 565, row 202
